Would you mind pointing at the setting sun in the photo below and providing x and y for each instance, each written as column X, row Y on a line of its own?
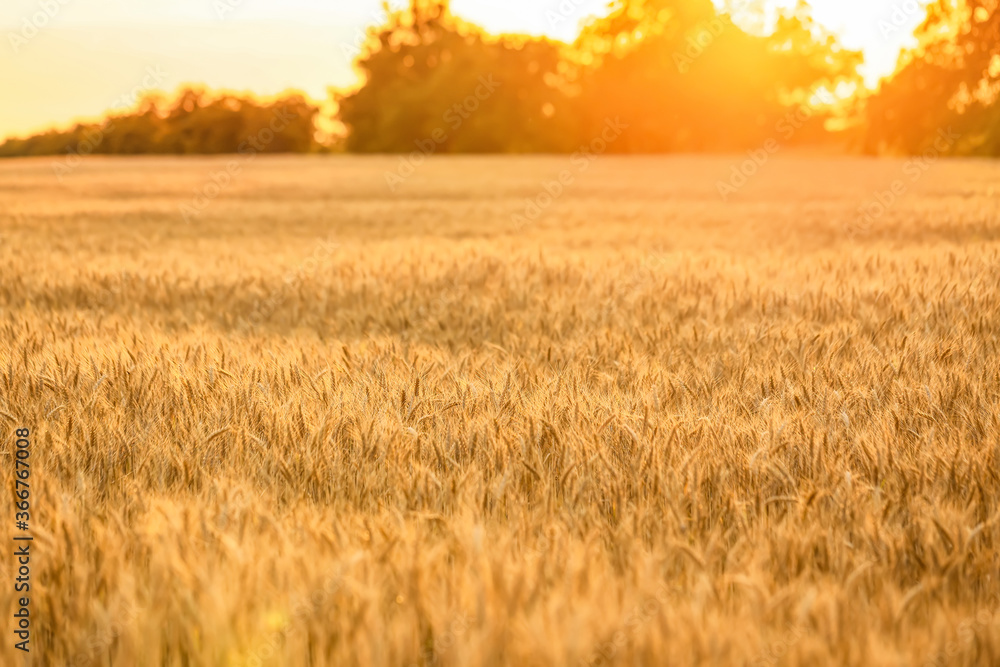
column 879, row 28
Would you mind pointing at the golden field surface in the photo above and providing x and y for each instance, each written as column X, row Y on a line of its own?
column 324, row 423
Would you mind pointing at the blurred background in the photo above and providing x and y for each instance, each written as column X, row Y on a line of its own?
column 479, row 76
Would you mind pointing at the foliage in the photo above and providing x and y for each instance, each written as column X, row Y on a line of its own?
column 681, row 75
column 689, row 79
column 424, row 71
column 195, row 121
column 952, row 80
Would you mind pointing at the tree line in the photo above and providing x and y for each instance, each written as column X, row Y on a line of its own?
column 193, row 121
column 680, row 73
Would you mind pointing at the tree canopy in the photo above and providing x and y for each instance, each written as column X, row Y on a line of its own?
column 951, row 81
column 194, row 121
column 427, row 73
column 683, row 75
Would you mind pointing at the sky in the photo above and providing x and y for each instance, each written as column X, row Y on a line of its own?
column 65, row 60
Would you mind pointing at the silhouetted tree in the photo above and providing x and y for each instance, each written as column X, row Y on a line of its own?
column 679, row 74
column 949, row 86
column 194, row 122
column 434, row 83
column 689, row 79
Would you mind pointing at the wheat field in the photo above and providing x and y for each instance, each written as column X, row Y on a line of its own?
column 323, row 423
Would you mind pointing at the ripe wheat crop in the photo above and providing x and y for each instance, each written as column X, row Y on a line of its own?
column 323, row 424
